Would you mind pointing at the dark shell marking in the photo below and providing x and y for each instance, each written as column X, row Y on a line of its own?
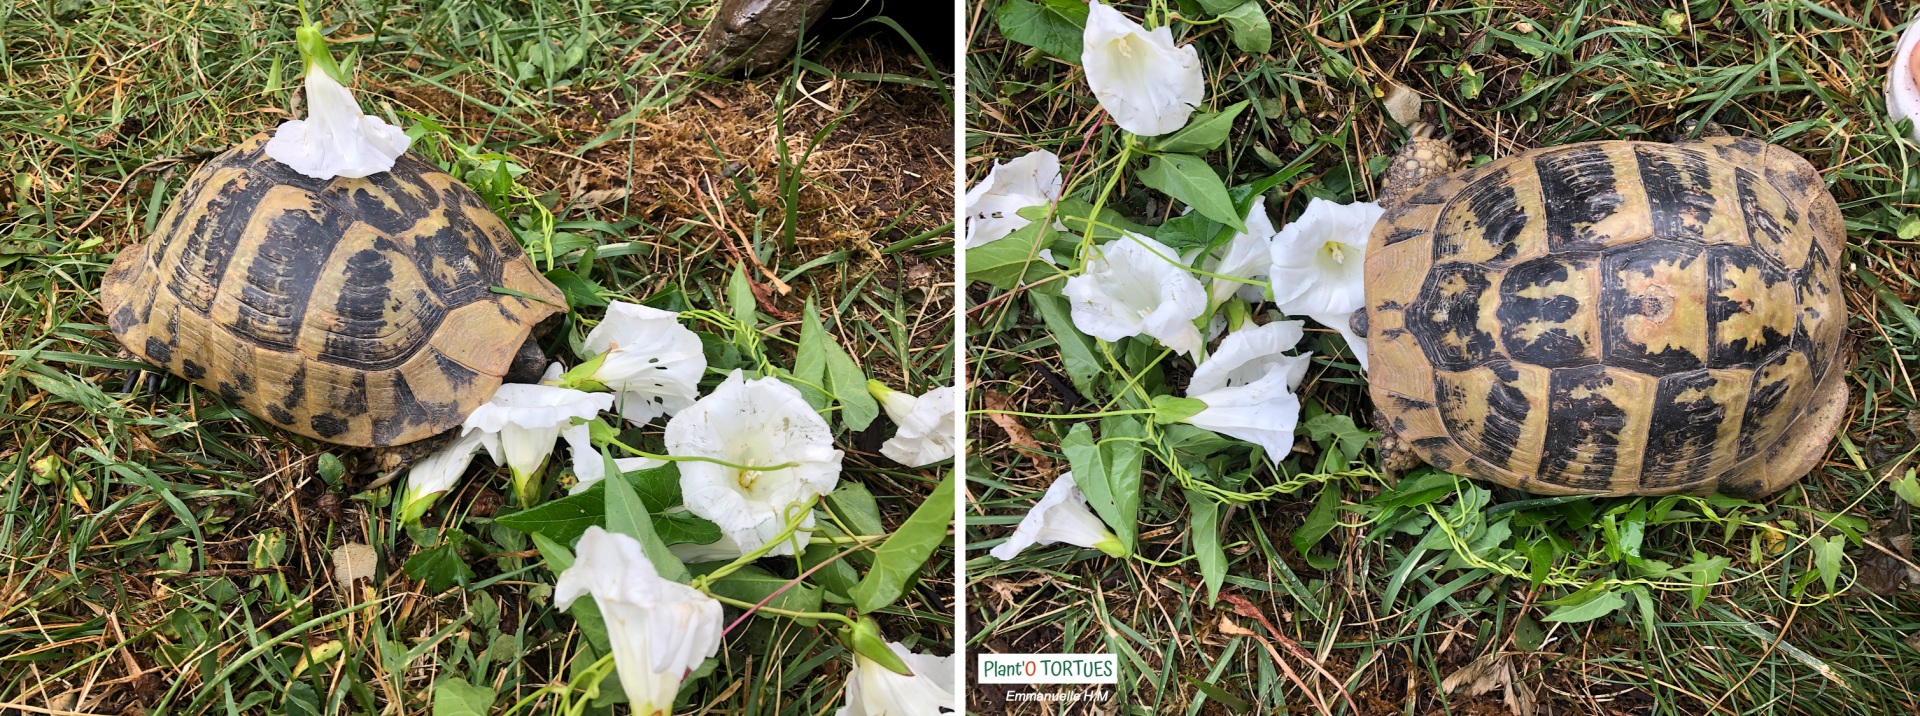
column 1610, row 317
column 332, row 308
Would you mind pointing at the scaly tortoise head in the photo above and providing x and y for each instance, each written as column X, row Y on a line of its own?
column 1610, row 317
column 357, row 311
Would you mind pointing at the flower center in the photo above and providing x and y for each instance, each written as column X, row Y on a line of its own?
column 1337, row 251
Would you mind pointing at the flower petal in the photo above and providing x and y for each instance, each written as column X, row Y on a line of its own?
column 1319, row 261
column 336, row 140
column 1145, row 83
column 652, row 361
column 761, row 422
column 1032, row 179
column 1243, row 357
column 1061, row 515
column 1137, row 285
column 1264, row 412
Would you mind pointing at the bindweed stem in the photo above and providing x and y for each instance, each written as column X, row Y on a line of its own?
column 674, row 458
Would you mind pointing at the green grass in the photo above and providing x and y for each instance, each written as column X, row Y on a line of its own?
column 1388, row 618
column 168, row 552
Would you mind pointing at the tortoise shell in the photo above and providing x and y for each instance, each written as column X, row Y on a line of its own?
column 357, row 311
column 1613, row 318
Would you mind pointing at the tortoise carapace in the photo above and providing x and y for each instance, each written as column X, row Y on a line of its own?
column 1608, row 317
column 358, row 311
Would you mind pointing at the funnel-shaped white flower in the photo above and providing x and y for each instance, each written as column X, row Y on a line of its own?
column 437, row 473
column 659, row 629
column 625, row 464
column 1137, row 285
column 757, row 423
column 1032, row 179
column 874, row 690
column 521, row 422
column 1903, row 81
column 926, row 424
column 1319, row 265
column 1243, row 358
column 1263, row 412
column 1248, row 256
column 1149, row 86
column 652, row 361
column 1061, row 515
column 335, row 140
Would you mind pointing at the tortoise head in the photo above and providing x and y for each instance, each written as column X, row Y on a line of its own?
column 528, row 364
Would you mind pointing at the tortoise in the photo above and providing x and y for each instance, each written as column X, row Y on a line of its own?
column 1607, row 318
column 362, row 312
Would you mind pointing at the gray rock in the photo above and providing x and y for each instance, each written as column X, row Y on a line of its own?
column 756, row 36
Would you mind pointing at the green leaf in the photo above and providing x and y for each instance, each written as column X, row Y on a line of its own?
column 1075, row 213
column 1528, row 635
column 1540, row 557
column 1013, row 259
column 1083, row 364
column 849, row 384
column 810, row 361
column 1191, row 231
column 1908, row 488
column 1321, row 521
column 838, row 577
column 752, row 584
column 740, row 298
column 627, row 515
column 579, row 291
column 441, row 566
column 1600, row 605
column 1189, row 179
column 1108, row 473
column 1705, row 571
column 1204, row 132
column 854, row 504
column 1350, row 437
column 1216, row 7
column 1206, row 542
column 685, row 528
column 1054, row 26
column 565, row 519
column 1827, row 553
column 1249, row 27
column 899, row 559
column 1168, row 409
column 453, row 696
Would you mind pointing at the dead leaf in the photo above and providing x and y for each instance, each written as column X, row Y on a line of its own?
column 1492, row 671
column 1888, row 562
column 1016, row 432
column 353, row 562
column 600, row 197
column 1403, row 104
column 1009, row 590
column 1229, row 628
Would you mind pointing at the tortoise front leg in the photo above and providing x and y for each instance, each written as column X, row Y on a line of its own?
column 1420, row 159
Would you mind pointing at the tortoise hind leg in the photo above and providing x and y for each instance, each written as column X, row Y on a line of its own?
column 1396, row 456
column 1800, row 449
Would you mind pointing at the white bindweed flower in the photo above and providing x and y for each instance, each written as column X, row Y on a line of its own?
column 1137, row 285
column 1061, row 515
column 437, row 473
column 1248, row 256
column 1319, row 266
column 1263, row 412
column 651, row 361
column 659, row 629
column 875, row 690
column 1903, row 81
column 335, row 139
column 1243, row 358
column 1032, row 179
column 926, row 424
column 1149, row 86
column 757, row 423
column 521, row 422
column 625, row 464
